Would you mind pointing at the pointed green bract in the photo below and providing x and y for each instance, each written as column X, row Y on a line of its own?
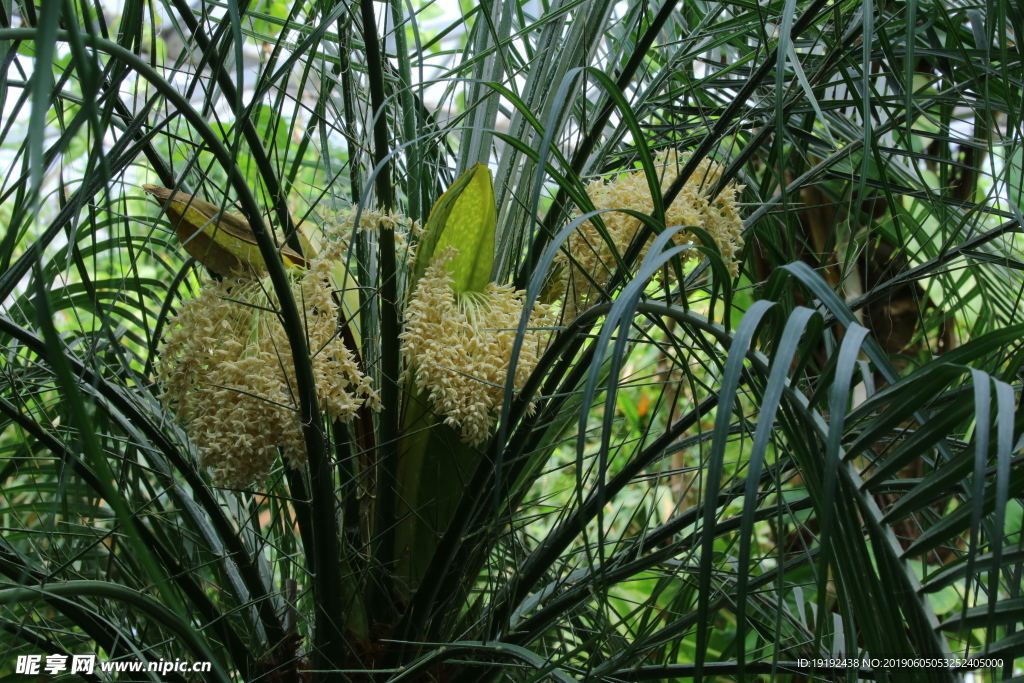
column 463, row 217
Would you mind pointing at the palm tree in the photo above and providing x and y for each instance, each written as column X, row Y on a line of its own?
column 718, row 378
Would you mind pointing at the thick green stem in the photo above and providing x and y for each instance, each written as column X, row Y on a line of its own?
column 380, row 594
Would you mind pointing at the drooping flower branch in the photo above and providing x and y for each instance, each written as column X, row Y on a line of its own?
column 227, row 372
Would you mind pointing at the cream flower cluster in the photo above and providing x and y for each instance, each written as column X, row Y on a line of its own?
column 595, row 259
column 372, row 220
column 458, row 346
column 227, row 372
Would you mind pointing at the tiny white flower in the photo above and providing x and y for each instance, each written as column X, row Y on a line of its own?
column 459, row 347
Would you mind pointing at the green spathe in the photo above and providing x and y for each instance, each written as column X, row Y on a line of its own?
column 463, row 217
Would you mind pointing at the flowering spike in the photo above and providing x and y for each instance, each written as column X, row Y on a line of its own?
column 227, row 372
column 458, row 346
column 592, row 255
